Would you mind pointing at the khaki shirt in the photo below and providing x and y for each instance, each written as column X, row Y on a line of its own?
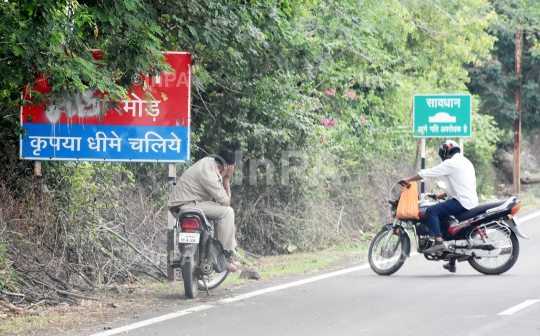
column 201, row 182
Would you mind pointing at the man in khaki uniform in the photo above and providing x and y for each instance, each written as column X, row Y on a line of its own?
column 205, row 186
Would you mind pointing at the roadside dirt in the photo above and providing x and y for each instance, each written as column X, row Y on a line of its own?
column 127, row 304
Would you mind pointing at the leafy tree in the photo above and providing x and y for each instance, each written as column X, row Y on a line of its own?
column 55, row 39
column 496, row 81
column 267, row 76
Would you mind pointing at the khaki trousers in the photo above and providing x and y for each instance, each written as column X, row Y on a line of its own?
column 224, row 216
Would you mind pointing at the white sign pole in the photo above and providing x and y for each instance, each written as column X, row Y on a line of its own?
column 423, row 163
column 171, row 232
column 37, row 168
column 461, row 145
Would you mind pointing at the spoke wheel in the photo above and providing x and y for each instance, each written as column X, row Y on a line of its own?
column 509, row 245
column 189, row 275
column 213, row 280
column 386, row 260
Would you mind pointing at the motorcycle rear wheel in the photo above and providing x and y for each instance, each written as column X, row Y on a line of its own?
column 389, row 261
column 213, row 280
column 189, row 275
column 489, row 266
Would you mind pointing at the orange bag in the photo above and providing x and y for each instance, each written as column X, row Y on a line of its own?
column 408, row 202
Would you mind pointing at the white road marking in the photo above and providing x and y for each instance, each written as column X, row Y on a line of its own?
column 298, row 283
column 520, row 306
column 293, row 284
column 224, row 301
column 153, row 320
column 526, row 218
column 234, row 299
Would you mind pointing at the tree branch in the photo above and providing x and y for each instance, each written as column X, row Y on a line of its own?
column 471, row 14
column 136, row 250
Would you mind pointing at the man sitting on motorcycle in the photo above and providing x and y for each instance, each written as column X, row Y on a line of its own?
column 460, row 179
column 206, row 186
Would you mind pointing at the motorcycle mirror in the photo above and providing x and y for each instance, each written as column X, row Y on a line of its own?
column 441, row 185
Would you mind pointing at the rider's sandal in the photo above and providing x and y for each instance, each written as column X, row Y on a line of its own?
column 232, row 268
column 234, row 265
column 437, row 247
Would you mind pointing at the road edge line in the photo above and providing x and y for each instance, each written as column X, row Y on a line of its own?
column 293, row 284
column 153, row 320
column 528, row 217
column 234, row 299
column 300, row 282
column 518, row 307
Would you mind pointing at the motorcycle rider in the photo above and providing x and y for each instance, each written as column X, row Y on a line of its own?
column 206, row 186
column 460, row 179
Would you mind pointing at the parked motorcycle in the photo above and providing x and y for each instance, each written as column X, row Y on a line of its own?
column 485, row 236
column 202, row 262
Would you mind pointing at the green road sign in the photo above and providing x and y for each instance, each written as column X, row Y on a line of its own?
column 442, row 116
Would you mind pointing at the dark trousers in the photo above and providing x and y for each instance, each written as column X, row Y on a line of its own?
column 448, row 208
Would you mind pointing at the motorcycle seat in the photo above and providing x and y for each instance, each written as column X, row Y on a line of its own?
column 479, row 209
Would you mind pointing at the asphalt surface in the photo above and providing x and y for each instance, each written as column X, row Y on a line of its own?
column 421, row 299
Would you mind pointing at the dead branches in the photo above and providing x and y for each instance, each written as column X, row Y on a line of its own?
column 136, row 250
column 54, row 253
column 15, row 309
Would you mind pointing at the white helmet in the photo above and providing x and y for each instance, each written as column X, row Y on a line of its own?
column 446, row 146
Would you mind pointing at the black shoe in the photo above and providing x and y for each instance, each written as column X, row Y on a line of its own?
column 437, row 247
column 451, row 268
column 228, row 255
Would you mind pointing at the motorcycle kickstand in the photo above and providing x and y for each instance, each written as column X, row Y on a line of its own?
column 205, row 286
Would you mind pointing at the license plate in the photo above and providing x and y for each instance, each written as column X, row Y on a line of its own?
column 188, row 238
column 516, row 221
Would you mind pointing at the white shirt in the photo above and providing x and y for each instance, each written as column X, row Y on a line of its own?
column 459, row 177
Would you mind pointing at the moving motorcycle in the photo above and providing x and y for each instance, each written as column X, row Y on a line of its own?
column 202, row 262
column 485, row 236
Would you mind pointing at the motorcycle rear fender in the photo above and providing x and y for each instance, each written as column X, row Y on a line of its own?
column 187, row 251
column 512, row 225
column 404, row 239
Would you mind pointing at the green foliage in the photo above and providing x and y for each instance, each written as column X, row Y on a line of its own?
column 496, row 81
column 268, row 76
column 7, row 276
column 480, row 150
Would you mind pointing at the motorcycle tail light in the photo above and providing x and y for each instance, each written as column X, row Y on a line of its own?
column 190, row 223
column 516, row 208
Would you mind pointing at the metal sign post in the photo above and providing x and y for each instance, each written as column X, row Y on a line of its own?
column 171, row 232
column 422, row 162
column 37, row 168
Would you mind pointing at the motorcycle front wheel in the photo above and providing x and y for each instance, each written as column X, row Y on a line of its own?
column 189, row 276
column 386, row 260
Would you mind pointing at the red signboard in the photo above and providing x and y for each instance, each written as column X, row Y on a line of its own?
column 142, row 130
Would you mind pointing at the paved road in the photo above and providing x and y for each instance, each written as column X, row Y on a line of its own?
column 421, row 299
